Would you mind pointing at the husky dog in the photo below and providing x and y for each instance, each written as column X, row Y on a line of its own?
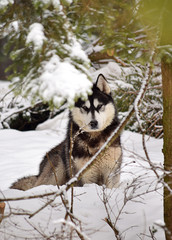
column 90, row 125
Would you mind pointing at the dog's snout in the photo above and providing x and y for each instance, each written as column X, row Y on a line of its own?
column 94, row 124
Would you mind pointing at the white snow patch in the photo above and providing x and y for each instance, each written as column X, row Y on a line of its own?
column 76, row 50
column 57, row 123
column 62, row 81
column 15, row 25
column 36, row 36
column 56, row 3
column 4, row 3
column 124, row 84
column 110, row 69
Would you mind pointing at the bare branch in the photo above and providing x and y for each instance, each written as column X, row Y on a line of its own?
column 82, row 235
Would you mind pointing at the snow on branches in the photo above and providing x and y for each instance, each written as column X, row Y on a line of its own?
column 48, row 60
column 36, row 36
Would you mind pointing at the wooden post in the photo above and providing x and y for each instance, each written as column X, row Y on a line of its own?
column 167, row 148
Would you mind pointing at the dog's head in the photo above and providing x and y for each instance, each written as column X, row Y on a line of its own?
column 98, row 111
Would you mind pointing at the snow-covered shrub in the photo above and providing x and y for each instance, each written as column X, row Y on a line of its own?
column 126, row 88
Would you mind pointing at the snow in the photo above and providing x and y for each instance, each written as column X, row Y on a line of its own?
column 76, row 49
column 9, row 104
column 61, row 81
column 55, row 3
column 56, row 123
column 15, row 25
column 62, row 75
column 142, row 204
column 136, row 206
column 117, row 75
column 8, row 28
column 111, row 69
column 4, row 3
column 69, row 1
column 36, row 36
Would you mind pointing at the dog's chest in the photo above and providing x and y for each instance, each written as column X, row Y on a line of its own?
column 86, row 147
column 85, row 150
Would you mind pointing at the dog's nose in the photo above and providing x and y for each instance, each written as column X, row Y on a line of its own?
column 94, row 124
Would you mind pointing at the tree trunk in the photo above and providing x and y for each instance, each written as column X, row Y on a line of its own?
column 167, row 148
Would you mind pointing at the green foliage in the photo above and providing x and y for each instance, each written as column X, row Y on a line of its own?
column 114, row 25
column 156, row 17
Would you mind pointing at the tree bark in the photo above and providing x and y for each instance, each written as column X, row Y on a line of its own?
column 167, row 148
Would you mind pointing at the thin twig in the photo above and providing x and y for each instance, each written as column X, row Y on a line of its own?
column 71, row 165
column 116, row 232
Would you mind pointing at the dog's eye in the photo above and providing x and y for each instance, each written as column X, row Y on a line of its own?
column 85, row 108
column 100, row 107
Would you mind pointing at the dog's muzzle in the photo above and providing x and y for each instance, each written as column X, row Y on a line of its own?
column 94, row 124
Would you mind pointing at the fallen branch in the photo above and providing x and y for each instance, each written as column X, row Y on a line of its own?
column 21, row 110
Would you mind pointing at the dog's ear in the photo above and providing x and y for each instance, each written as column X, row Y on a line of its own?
column 102, row 84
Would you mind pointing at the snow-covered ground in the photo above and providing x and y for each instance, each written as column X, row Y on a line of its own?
column 135, row 208
column 138, row 200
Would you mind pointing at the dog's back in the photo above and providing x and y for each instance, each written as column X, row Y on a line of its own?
column 52, row 170
column 92, row 123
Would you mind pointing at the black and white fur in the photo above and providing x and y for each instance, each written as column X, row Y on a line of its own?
column 91, row 123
